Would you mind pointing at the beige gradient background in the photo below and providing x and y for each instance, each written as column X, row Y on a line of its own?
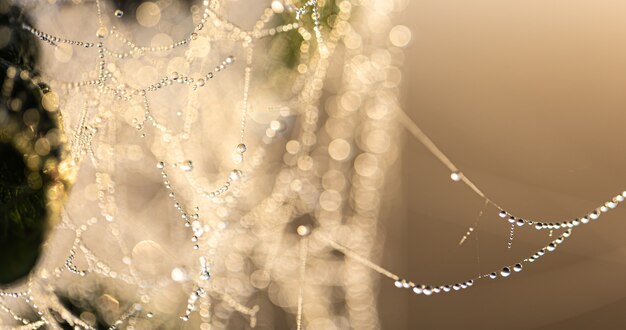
column 528, row 98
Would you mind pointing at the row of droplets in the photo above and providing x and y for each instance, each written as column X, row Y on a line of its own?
column 504, row 272
column 613, row 203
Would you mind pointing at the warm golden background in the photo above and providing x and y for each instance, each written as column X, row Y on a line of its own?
column 527, row 98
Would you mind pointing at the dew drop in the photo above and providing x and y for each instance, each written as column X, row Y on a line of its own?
column 186, row 166
column 456, row 176
column 241, row 148
column 505, row 272
column 235, row 175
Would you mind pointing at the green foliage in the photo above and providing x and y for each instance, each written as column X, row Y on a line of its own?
column 284, row 48
column 22, row 217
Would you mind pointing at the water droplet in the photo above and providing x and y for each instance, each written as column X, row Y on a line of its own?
column 517, row 267
column 102, row 32
column 235, row 175
column 119, row 13
column 186, row 166
column 278, row 7
column 178, row 275
column 505, row 272
column 427, row 291
column 303, row 230
column 456, row 176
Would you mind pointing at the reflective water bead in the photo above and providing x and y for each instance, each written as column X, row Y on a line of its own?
column 303, row 230
column 417, row 289
column 517, row 268
column 456, row 176
column 241, row 148
column 505, row 272
column 278, row 7
column 205, row 275
column 186, row 166
column 503, row 214
column 119, row 13
column 235, row 175
column 102, row 32
column 427, row 291
column 520, row 222
column 160, row 165
column 493, row 275
column 551, row 247
column 398, row 284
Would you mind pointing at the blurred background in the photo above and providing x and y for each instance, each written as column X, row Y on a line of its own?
column 527, row 99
